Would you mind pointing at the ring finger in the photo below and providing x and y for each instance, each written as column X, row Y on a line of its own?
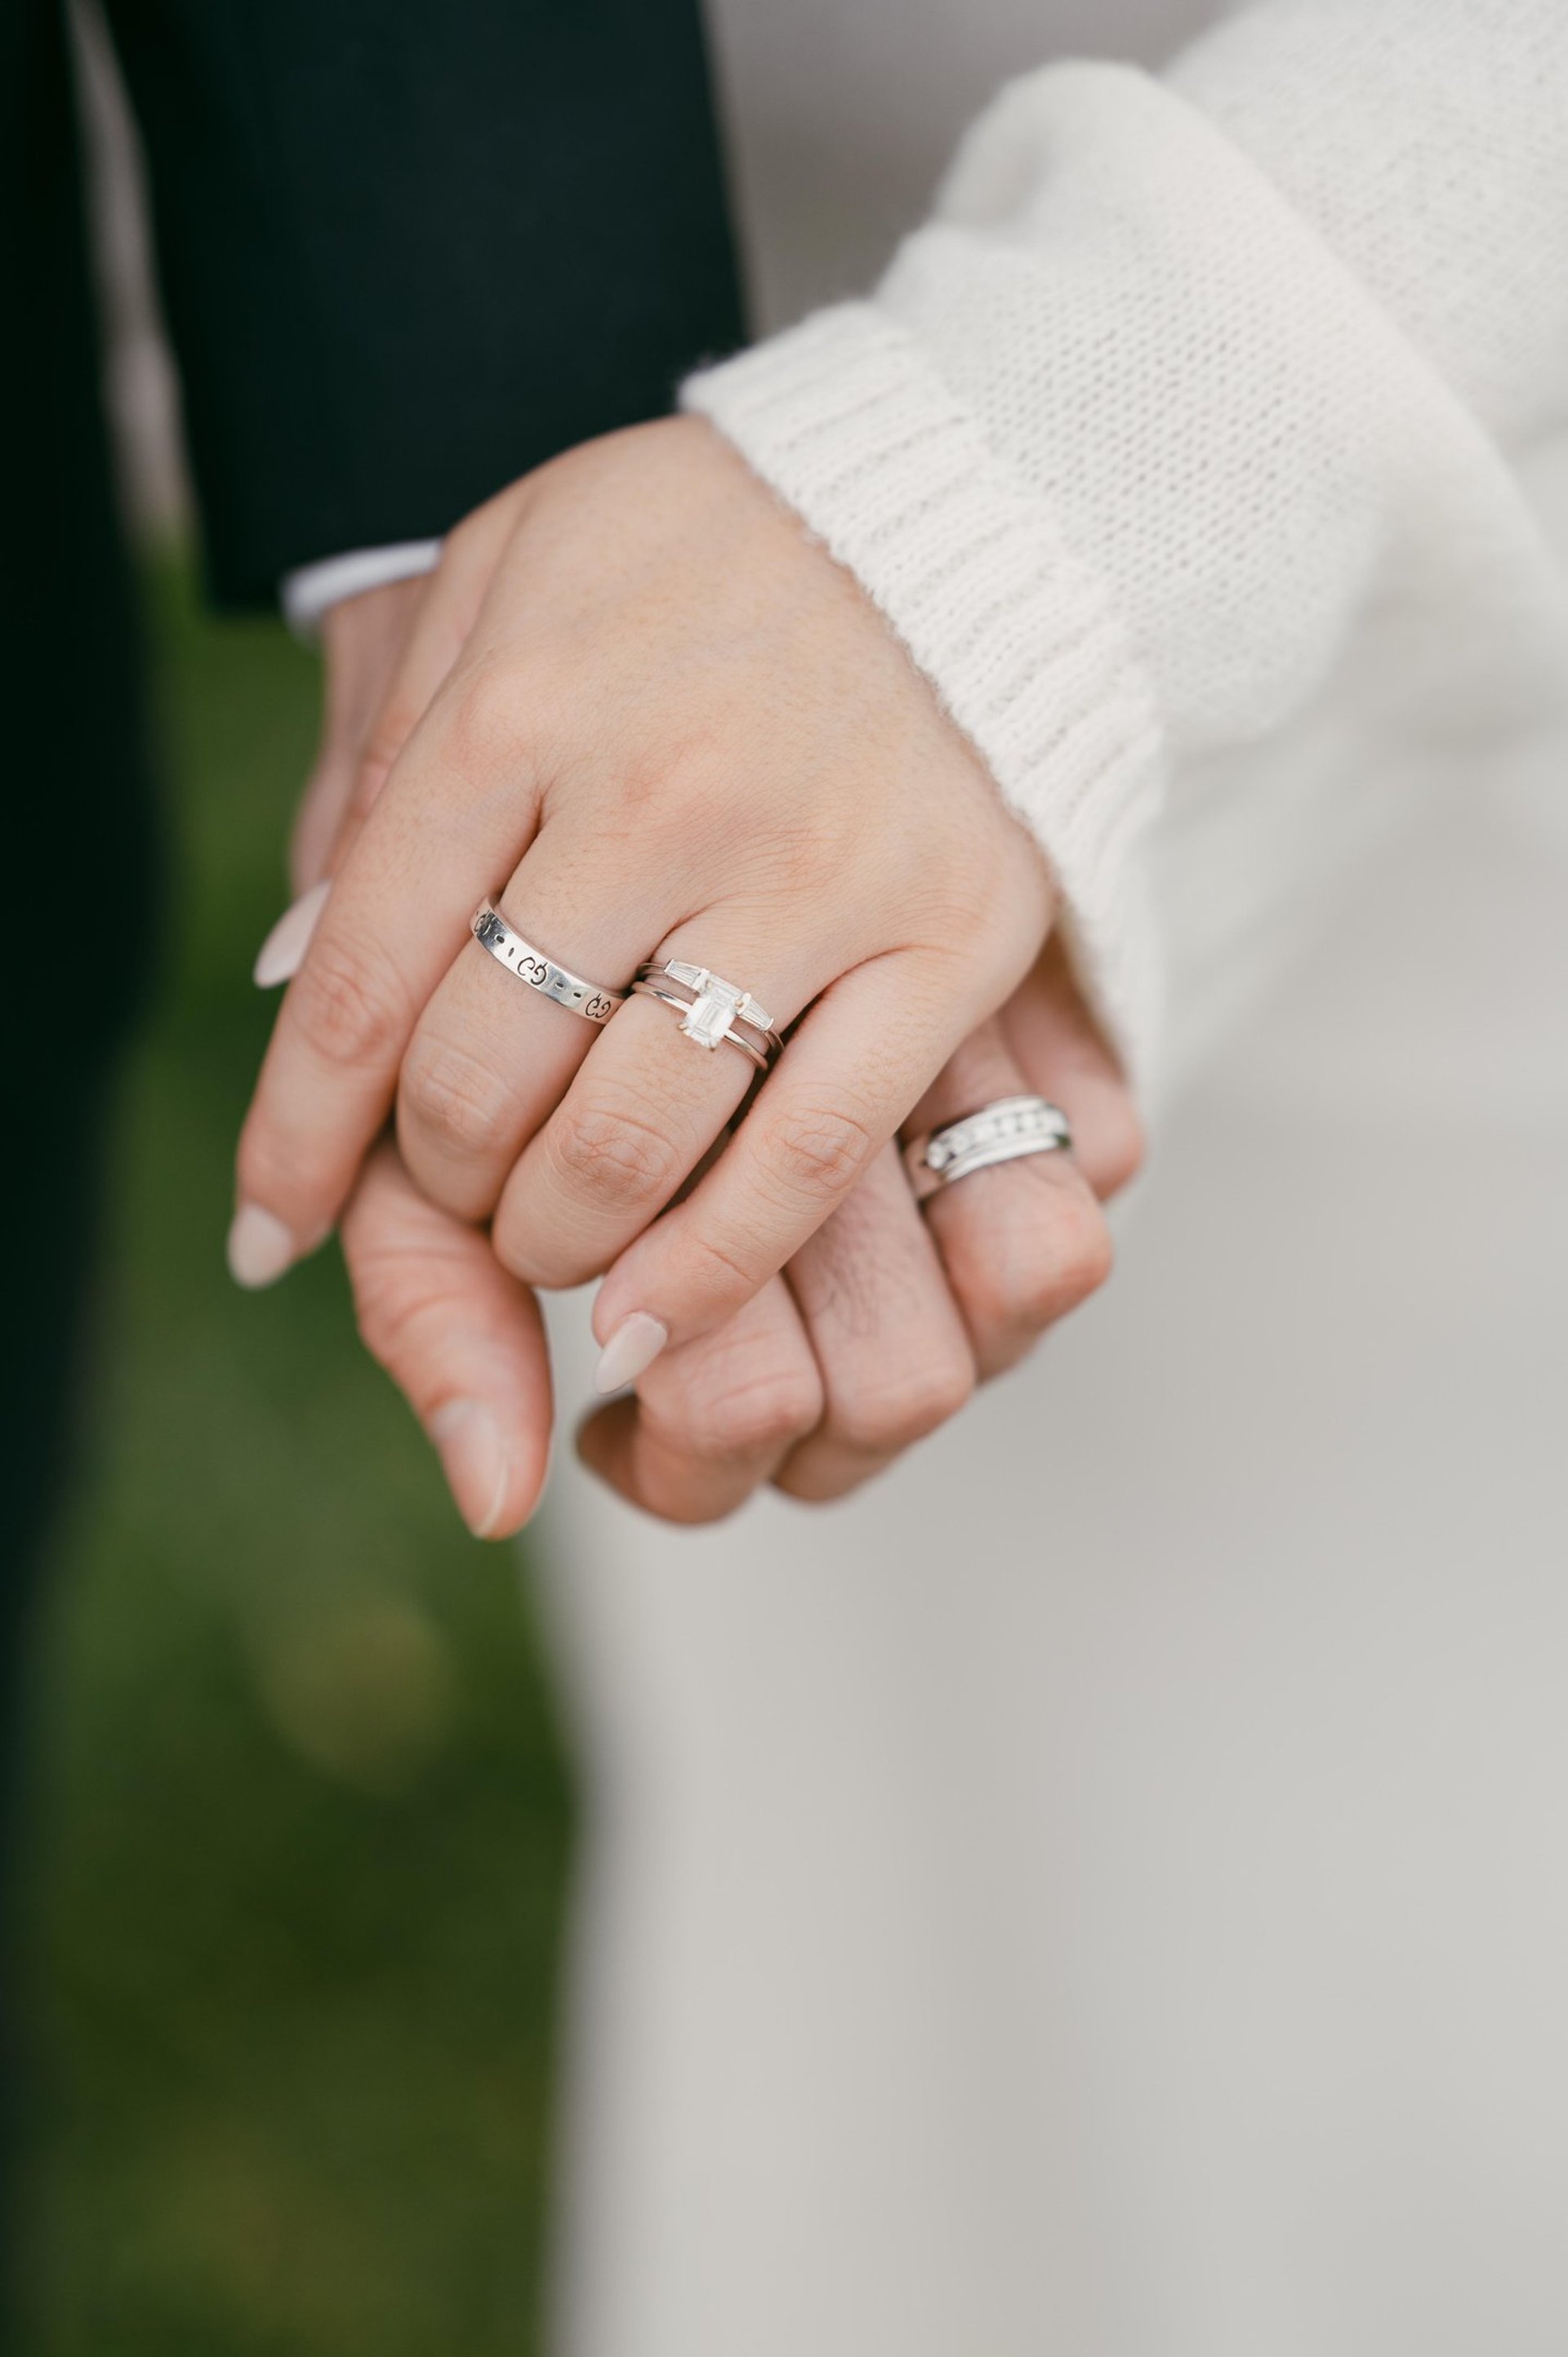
column 642, row 1110
column 1022, row 1243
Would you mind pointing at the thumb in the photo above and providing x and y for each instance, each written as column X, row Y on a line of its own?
column 462, row 1340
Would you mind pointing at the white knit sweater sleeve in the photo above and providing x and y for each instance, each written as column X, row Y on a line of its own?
column 1200, row 403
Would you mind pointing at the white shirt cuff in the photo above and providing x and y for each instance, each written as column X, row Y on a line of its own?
column 307, row 594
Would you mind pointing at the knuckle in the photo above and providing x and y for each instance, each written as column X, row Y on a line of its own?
column 490, row 716
column 819, row 1151
column 347, row 1003
column 754, row 1417
column 1055, row 1259
column 890, row 1412
column 669, row 793
column 620, row 1157
column 458, row 1103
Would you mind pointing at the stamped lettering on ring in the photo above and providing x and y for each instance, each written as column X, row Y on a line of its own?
column 531, row 966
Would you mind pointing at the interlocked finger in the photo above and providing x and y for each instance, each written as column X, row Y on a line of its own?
column 714, row 1420
column 895, row 1359
column 1023, row 1242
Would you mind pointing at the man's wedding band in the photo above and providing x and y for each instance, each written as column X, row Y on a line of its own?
column 712, row 1012
column 589, row 999
column 1003, row 1131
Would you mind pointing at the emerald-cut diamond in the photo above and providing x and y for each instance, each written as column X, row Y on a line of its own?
column 715, row 1007
column 712, row 1011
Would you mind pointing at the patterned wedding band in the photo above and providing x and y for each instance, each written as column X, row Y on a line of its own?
column 712, row 1012
column 589, row 999
column 1001, row 1132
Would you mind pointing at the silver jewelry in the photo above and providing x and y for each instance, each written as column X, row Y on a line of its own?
column 1003, row 1131
column 712, row 1012
column 589, row 999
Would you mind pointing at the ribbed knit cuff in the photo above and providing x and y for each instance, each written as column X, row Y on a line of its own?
column 850, row 424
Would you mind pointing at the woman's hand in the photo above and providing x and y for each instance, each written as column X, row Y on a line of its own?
column 677, row 729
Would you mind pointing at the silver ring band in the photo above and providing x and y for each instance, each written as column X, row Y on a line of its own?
column 589, row 999
column 714, row 1013
column 1003, row 1131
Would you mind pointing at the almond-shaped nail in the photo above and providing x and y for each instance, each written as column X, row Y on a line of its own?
column 475, row 1461
column 259, row 1248
column 631, row 1351
column 280, row 955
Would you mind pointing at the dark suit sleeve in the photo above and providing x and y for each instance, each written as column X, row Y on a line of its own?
column 410, row 248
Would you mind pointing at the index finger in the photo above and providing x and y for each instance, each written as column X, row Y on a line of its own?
column 459, row 808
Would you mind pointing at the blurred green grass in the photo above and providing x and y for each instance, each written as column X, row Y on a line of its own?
column 302, row 1819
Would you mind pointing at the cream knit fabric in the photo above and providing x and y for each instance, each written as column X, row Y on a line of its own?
column 1193, row 422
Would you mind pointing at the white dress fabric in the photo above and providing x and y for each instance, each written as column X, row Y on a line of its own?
column 1105, row 1889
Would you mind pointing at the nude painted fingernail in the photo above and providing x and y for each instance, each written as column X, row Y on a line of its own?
column 280, row 955
column 631, row 1351
column 259, row 1248
column 475, row 1461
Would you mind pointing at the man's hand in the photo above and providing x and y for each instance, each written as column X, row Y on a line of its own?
column 363, row 641
column 883, row 1322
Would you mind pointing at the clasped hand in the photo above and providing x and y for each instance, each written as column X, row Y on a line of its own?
column 641, row 709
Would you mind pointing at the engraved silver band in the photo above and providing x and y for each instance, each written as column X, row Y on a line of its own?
column 714, row 1013
column 1003, row 1131
column 589, row 999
